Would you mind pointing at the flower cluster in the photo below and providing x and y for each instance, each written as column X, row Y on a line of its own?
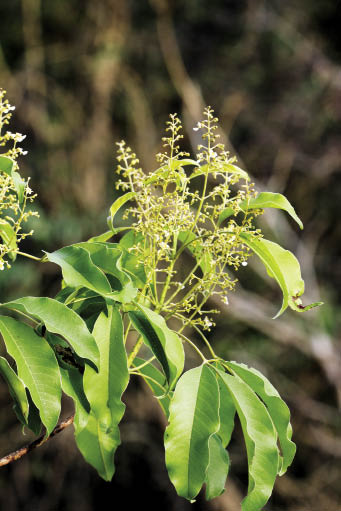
column 15, row 192
column 181, row 210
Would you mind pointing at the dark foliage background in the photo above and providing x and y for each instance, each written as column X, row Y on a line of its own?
column 83, row 74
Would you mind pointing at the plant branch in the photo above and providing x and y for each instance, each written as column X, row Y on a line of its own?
column 16, row 455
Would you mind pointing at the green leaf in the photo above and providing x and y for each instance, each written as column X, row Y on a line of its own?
column 193, row 419
column 16, row 388
column 100, row 437
column 261, row 442
column 6, row 165
column 20, row 185
column 59, row 319
column 8, row 235
column 117, row 205
column 102, row 237
column 129, row 261
column 79, row 270
column 227, row 412
column 108, row 257
column 72, row 385
column 98, row 443
column 164, row 343
column 37, row 368
column 195, row 246
column 264, row 200
column 163, row 172
column 156, row 381
column 278, row 410
column 218, row 467
column 221, row 167
column 283, row 266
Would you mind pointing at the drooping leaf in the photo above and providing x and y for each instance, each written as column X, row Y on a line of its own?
column 98, row 442
column 218, row 467
column 261, row 442
column 72, row 385
column 37, row 368
column 100, row 437
column 16, row 388
column 227, row 412
column 152, row 375
column 193, row 419
column 283, row 266
column 164, row 342
column 108, row 257
column 277, row 409
column 34, row 422
column 59, row 319
column 79, row 270
column 264, row 200
column 117, row 204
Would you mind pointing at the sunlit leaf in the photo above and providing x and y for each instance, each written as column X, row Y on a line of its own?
column 218, row 467
column 59, row 319
column 261, row 442
column 283, row 266
column 37, row 368
column 6, row 165
column 264, row 200
column 108, row 258
column 193, row 419
column 79, row 270
column 163, row 172
column 100, row 437
column 8, row 235
column 229, row 168
column 117, row 204
column 277, row 409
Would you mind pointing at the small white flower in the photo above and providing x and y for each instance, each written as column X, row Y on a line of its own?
column 207, row 322
column 244, row 263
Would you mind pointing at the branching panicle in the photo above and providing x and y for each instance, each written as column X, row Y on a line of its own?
column 15, row 192
column 176, row 210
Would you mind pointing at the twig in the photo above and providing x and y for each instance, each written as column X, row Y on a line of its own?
column 15, row 455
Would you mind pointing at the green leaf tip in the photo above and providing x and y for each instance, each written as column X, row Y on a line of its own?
column 283, row 266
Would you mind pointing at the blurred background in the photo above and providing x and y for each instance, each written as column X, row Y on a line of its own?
column 85, row 74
